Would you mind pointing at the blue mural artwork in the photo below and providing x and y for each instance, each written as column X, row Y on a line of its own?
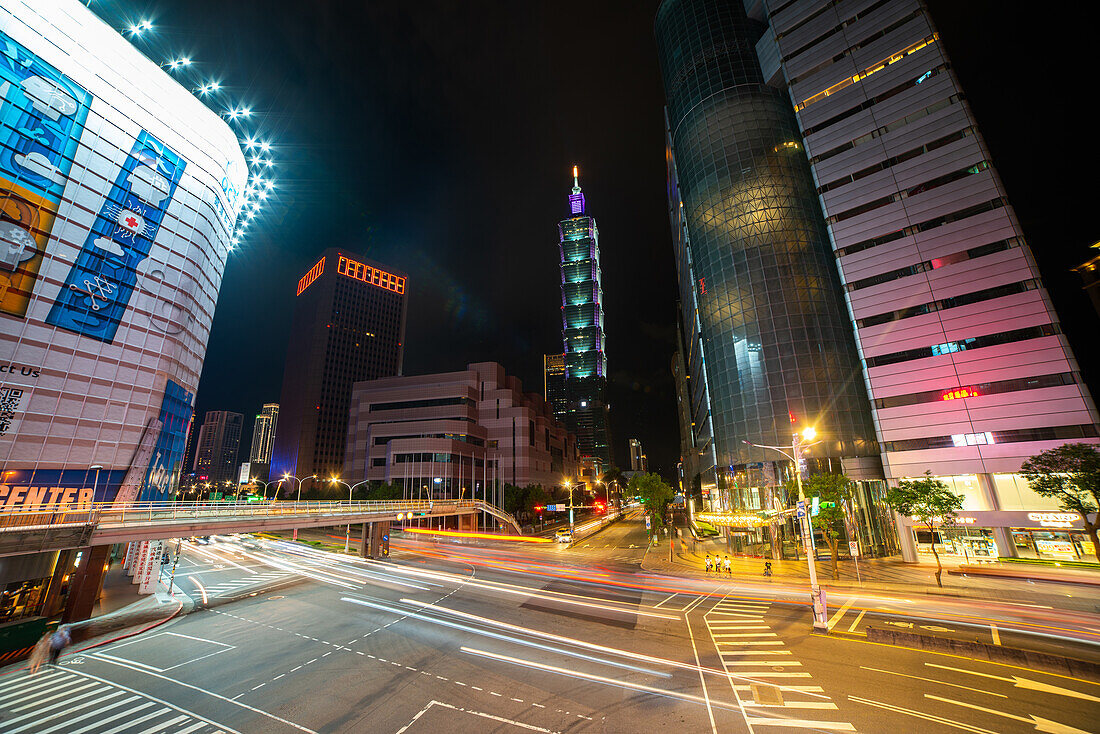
column 96, row 294
column 42, row 116
column 162, row 477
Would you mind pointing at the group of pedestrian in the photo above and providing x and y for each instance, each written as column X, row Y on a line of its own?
column 718, row 565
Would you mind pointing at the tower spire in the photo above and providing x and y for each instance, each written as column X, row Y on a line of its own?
column 576, row 199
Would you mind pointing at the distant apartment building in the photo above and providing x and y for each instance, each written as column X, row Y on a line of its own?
column 348, row 325
column 638, row 461
column 456, row 434
column 263, row 440
column 218, row 444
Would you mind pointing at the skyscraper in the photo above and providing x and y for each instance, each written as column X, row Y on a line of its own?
column 638, row 460
column 218, row 444
column 348, row 325
column 553, row 384
column 962, row 353
column 582, row 333
column 959, row 348
column 767, row 344
column 263, row 439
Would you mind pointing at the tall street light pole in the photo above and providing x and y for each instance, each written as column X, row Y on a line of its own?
column 299, row 499
column 347, row 534
column 798, row 443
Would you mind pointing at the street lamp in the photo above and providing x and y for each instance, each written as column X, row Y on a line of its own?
column 336, row 480
column 798, row 443
column 254, row 480
column 95, row 486
column 299, row 481
column 569, row 488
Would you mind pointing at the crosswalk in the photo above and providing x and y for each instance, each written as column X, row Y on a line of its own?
column 60, row 701
column 774, row 690
column 227, row 587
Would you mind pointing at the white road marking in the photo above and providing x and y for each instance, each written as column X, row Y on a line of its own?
column 921, row 715
column 933, row 680
column 501, row 719
column 201, row 690
column 802, row 724
column 1039, row 724
column 858, row 618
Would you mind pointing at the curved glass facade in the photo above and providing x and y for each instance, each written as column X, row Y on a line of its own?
column 777, row 342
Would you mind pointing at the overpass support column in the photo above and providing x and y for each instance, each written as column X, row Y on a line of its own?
column 379, row 540
column 85, row 583
column 364, row 539
column 467, row 523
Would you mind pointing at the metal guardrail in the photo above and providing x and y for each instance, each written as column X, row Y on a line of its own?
column 109, row 514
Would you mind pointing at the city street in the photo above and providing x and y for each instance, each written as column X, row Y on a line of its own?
column 543, row 638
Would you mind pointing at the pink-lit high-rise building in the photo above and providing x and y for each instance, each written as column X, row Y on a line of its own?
column 962, row 356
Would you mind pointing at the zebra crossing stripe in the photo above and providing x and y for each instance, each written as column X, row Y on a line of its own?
column 67, row 692
column 26, row 685
column 101, row 722
column 38, row 714
column 96, row 711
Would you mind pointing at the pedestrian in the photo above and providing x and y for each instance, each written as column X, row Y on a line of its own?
column 58, row 641
column 727, row 566
column 767, row 568
column 708, row 563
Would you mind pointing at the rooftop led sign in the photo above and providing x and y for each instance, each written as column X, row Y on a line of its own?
column 367, row 274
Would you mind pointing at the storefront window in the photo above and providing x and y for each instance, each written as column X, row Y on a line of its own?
column 1053, row 545
column 1014, row 493
column 966, row 544
column 21, row 599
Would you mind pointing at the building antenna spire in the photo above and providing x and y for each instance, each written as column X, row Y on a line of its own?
column 576, row 183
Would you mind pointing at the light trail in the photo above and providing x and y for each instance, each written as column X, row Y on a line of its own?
column 202, row 589
column 295, row 568
column 598, row 678
column 486, row 536
column 218, row 559
column 551, row 596
column 593, row 646
column 486, row 633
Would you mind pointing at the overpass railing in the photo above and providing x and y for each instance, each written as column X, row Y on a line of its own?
column 28, row 517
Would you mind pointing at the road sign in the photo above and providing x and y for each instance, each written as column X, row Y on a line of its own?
column 815, row 507
column 647, row 522
column 853, row 548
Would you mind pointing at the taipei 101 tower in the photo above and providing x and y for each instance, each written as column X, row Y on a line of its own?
column 583, row 336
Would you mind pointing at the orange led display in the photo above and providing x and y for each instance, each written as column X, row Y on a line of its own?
column 367, row 274
column 962, row 392
column 313, row 274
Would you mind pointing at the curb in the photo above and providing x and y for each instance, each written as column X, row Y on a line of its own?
column 1013, row 656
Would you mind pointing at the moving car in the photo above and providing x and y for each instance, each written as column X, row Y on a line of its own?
column 563, row 536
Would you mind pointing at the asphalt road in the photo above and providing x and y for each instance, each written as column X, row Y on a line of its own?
column 457, row 638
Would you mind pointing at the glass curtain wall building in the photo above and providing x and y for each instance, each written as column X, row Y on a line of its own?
column 583, row 335
column 962, row 354
column 768, row 347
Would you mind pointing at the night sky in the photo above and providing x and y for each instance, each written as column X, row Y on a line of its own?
column 438, row 136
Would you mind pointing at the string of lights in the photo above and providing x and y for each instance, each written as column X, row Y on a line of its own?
column 259, row 153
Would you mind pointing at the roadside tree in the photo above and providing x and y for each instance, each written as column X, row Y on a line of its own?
column 1070, row 474
column 655, row 494
column 832, row 490
column 929, row 501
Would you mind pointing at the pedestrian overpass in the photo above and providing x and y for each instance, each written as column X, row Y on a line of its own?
column 40, row 528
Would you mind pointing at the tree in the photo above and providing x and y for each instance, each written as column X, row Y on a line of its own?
column 928, row 500
column 832, row 490
column 614, row 475
column 655, row 494
column 1070, row 474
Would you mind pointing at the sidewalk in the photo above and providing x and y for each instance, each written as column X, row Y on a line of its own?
column 1001, row 582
